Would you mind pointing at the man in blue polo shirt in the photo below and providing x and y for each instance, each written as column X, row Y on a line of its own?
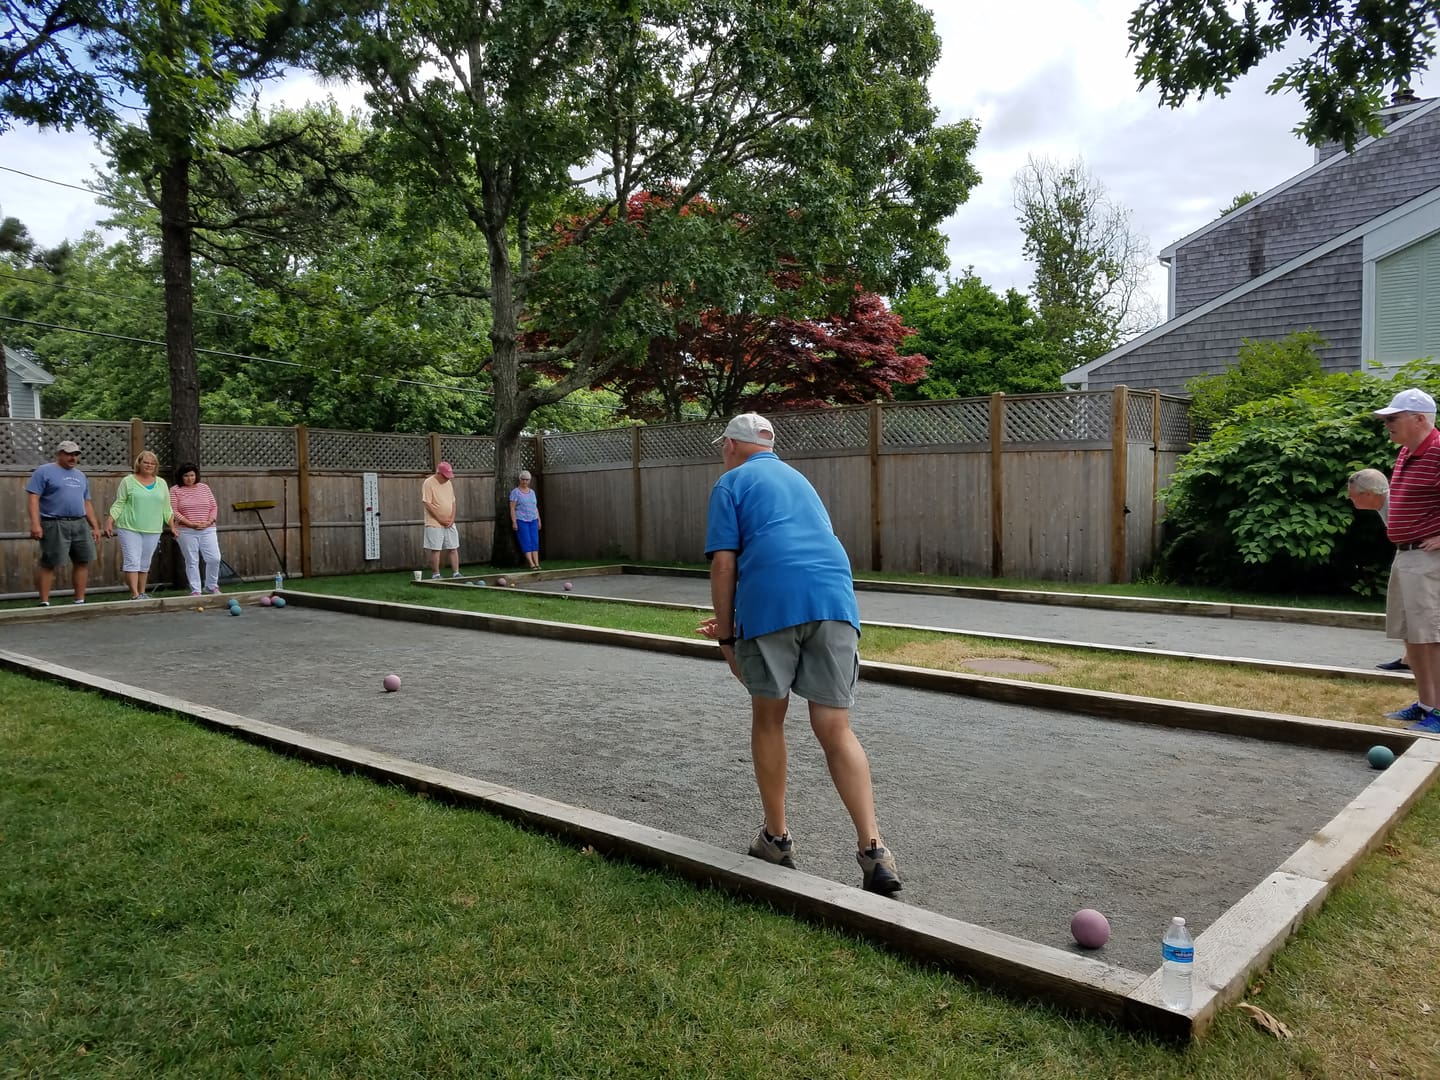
column 786, row 619
column 57, row 499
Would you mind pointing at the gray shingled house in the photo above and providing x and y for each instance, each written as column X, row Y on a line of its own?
column 1349, row 248
column 23, row 380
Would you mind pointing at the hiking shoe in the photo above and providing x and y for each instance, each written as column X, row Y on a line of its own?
column 1429, row 723
column 878, row 866
column 779, row 850
column 1412, row 713
column 1394, row 665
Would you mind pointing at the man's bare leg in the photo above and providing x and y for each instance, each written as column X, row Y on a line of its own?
column 770, row 757
column 45, row 579
column 849, row 769
column 79, row 577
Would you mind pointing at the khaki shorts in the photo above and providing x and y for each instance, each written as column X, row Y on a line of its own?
column 820, row 661
column 1412, row 602
column 65, row 540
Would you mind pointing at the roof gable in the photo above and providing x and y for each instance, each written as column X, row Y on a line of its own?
column 1369, row 144
column 22, row 363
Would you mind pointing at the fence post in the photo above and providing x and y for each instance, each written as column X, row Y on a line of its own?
column 1155, row 474
column 435, row 457
column 137, row 439
column 636, row 494
column 876, row 522
column 1119, row 478
column 997, row 486
column 302, row 495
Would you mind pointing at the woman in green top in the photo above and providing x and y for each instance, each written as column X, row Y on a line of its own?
column 139, row 514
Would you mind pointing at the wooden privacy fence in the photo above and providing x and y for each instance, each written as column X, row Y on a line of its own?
column 314, row 477
column 1058, row 486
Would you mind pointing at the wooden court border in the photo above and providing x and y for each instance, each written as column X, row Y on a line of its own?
column 1281, row 667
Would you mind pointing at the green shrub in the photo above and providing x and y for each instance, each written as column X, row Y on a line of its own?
column 1261, row 503
column 1261, row 370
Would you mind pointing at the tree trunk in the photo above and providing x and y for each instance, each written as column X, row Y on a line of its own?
column 177, row 271
column 4, row 385
column 511, row 412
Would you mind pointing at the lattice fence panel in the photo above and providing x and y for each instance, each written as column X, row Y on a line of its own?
column 829, row 429
column 694, row 441
column 158, row 442
column 1140, row 417
column 366, row 452
column 1078, row 417
column 1175, row 423
column 941, row 423
column 26, row 444
column 610, row 446
column 470, row 453
column 226, row 447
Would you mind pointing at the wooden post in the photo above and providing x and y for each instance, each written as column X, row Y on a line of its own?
column 302, row 495
column 997, row 486
column 1155, row 474
column 435, row 457
column 876, row 516
column 637, row 494
column 137, row 439
column 1119, row 478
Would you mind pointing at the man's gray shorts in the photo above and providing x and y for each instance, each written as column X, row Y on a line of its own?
column 65, row 540
column 820, row 661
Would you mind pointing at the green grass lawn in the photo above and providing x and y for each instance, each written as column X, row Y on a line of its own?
column 175, row 902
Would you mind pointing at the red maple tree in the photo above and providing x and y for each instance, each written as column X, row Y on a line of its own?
column 729, row 363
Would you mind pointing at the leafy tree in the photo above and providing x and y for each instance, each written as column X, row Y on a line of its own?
column 68, row 63
column 1260, row 503
column 1239, row 201
column 1090, row 265
column 15, row 240
column 978, row 342
column 812, row 122
column 1261, row 370
column 738, row 363
column 1358, row 52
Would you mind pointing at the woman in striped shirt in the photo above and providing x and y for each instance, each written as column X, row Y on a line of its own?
column 195, row 513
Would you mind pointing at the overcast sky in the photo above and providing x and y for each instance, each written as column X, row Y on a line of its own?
column 1048, row 78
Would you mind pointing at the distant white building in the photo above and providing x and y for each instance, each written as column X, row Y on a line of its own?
column 23, row 380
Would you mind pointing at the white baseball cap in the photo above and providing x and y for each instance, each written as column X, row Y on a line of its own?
column 1411, row 400
column 750, row 428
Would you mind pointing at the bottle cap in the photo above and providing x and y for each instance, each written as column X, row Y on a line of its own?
column 1177, row 921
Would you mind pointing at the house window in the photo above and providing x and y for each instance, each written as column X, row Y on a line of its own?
column 1407, row 303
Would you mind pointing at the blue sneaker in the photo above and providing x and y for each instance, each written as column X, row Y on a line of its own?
column 1411, row 714
column 1430, row 723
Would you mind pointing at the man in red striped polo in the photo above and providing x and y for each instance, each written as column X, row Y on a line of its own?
column 1412, row 604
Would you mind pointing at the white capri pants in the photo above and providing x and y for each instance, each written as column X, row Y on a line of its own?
column 197, row 544
column 137, row 550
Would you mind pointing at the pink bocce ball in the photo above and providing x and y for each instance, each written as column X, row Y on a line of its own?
column 1089, row 928
column 392, row 683
column 267, row 601
column 568, row 586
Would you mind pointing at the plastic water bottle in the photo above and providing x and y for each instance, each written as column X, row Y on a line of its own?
column 1178, row 949
column 279, row 580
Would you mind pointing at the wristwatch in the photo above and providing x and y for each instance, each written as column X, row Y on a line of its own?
column 725, row 640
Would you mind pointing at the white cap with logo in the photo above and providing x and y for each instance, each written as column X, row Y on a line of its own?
column 750, row 428
column 1411, row 400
